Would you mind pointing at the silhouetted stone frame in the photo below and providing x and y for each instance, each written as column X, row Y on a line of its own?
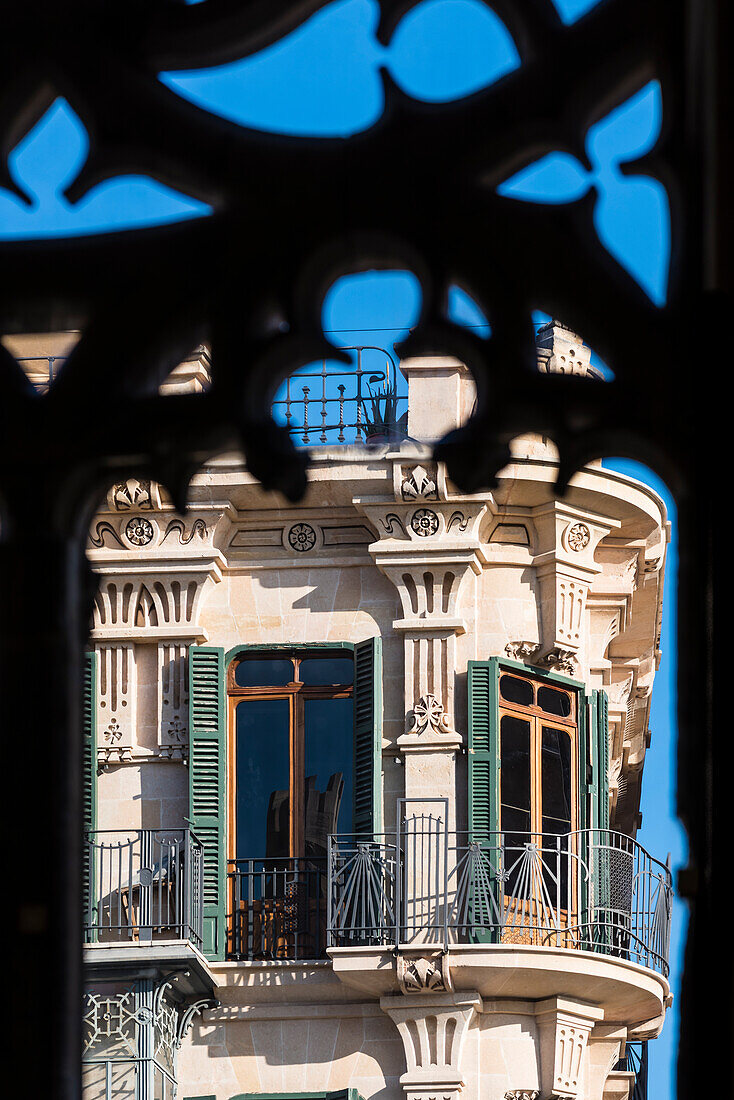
column 292, row 214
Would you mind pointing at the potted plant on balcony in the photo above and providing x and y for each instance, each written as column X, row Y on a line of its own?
column 381, row 423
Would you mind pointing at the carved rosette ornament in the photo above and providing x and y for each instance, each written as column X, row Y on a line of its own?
column 522, row 1094
column 424, row 522
column 139, row 531
column 578, row 537
column 302, row 537
column 424, row 975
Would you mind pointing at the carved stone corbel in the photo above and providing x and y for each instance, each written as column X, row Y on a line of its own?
column 433, row 1029
column 564, row 1027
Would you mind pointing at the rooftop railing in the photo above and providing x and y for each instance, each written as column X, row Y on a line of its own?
column 591, row 890
column 329, row 403
column 320, row 403
column 143, row 885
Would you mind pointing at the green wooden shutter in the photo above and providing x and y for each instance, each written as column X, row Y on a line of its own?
column 600, row 760
column 89, row 778
column 484, row 891
column 207, row 778
column 368, row 736
column 601, row 859
column 484, row 774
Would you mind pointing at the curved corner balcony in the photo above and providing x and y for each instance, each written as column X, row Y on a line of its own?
column 520, row 914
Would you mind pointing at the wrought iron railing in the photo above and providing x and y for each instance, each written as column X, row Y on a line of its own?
column 143, row 885
column 339, row 404
column 635, row 1061
column 276, row 908
column 593, row 890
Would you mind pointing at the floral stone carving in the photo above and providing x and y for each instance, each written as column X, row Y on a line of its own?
column 521, row 651
column 424, row 975
column 139, row 531
column 419, row 486
column 561, row 660
column 302, row 537
column 133, row 493
column 424, row 522
column 578, row 537
column 429, row 717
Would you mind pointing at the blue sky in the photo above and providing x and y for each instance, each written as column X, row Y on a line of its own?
column 325, row 79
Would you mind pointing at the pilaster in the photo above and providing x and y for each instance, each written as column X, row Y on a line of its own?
column 428, row 547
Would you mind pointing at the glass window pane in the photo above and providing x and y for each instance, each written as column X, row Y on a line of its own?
column 553, row 701
column 556, row 780
column 329, row 725
column 263, row 778
column 319, row 671
column 514, row 773
column 264, row 672
column 515, row 690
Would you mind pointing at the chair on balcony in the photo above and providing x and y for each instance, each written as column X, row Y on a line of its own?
column 280, row 902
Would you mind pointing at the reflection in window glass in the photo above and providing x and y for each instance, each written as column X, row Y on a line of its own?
column 555, row 702
column 264, row 672
column 514, row 774
column 556, row 780
column 317, row 671
column 515, row 690
column 329, row 771
column 263, row 777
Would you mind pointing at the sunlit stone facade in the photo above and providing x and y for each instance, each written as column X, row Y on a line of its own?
column 487, row 929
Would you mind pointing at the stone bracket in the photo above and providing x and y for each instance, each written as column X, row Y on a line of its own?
column 433, row 1029
column 564, row 1027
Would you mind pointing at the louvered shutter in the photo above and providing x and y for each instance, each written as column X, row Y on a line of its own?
column 89, row 783
column 600, row 760
column 367, row 736
column 483, row 890
column 611, row 868
column 483, row 748
column 207, row 777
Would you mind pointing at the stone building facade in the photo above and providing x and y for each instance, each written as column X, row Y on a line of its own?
column 363, row 775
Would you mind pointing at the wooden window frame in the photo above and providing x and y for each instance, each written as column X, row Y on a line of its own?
column 297, row 694
column 537, row 718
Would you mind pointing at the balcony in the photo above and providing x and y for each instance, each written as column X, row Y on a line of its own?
column 144, row 887
column 519, row 913
column 276, row 909
column 593, row 890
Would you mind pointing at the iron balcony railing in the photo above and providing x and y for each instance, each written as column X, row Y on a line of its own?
column 339, row 405
column 593, row 890
column 276, row 908
column 635, row 1061
column 143, row 885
